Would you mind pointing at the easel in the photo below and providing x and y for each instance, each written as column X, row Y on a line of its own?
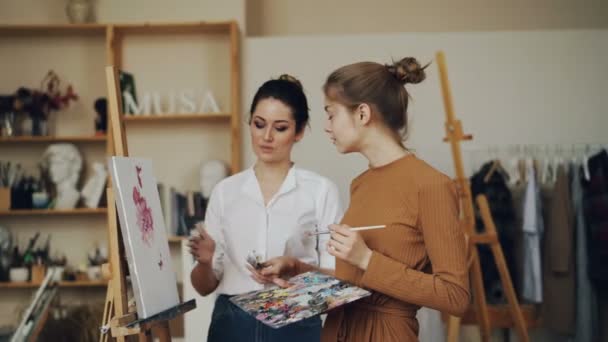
column 116, row 318
column 454, row 135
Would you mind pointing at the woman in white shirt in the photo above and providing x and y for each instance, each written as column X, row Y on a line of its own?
column 265, row 211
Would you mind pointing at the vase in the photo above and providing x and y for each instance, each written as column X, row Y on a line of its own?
column 39, row 126
column 19, row 274
column 7, row 126
column 27, row 125
column 79, row 11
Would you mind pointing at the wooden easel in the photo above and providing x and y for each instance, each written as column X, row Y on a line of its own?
column 454, row 135
column 116, row 318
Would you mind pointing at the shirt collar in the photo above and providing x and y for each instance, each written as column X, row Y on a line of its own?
column 251, row 187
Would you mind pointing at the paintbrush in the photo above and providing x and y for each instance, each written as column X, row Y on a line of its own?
column 354, row 229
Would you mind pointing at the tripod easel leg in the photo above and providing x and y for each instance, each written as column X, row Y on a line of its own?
column 505, row 277
column 479, row 297
column 453, row 328
column 107, row 314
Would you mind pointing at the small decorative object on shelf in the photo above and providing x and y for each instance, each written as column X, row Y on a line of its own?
column 6, row 252
column 7, row 124
column 101, row 120
column 128, row 93
column 26, row 112
column 79, row 11
column 5, row 198
column 63, row 162
column 40, row 200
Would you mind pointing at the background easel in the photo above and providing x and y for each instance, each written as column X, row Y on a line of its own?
column 116, row 318
column 454, row 135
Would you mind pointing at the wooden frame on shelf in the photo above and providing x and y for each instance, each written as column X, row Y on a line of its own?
column 114, row 39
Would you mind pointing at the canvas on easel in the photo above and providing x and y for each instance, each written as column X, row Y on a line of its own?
column 144, row 235
column 155, row 289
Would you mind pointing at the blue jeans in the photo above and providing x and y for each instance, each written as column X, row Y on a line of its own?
column 231, row 324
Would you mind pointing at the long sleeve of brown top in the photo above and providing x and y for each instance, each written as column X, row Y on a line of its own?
column 446, row 288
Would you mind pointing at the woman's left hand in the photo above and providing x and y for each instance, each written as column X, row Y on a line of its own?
column 274, row 270
column 348, row 246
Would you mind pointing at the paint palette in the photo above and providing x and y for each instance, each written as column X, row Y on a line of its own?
column 311, row 294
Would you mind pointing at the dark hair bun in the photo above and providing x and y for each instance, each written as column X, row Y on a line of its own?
column 408, row 70
column 289, row 78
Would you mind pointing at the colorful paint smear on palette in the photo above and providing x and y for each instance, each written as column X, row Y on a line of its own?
column 311, row 294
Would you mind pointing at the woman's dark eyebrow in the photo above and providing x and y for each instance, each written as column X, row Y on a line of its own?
column 278, row 121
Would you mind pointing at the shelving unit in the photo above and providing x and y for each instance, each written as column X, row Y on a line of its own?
column 110, row 44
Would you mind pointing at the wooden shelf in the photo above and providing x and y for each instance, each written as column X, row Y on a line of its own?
column 51, row 212
column 52, row 29
column 30, row 285
column 175, row 28
column 135, row 28
column 178, row 117
column 53, row 139
column 176, row 239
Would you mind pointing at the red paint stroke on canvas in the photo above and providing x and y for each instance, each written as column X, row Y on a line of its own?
column 138, row 170
column 145, row 221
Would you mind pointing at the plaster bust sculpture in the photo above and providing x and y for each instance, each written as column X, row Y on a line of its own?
column 64, row 164
column 93, row 189
column 211, row 173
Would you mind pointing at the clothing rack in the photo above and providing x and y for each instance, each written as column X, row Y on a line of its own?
column 546, row 157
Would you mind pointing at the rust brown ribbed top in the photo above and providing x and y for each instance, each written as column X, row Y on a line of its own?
column 419, row 259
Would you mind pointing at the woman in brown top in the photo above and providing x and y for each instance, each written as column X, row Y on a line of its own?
column 419, row 259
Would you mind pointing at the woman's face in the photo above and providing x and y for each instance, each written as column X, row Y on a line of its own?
column 340, row 126
column 273, row 131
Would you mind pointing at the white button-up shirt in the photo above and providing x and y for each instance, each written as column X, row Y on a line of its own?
column 240, row 223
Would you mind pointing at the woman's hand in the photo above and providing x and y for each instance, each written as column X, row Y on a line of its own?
column 275, row 270
column 202, row 246
column 348, row 246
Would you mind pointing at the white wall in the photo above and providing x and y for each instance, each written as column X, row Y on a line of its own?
column 508, row 88
column 296, row 17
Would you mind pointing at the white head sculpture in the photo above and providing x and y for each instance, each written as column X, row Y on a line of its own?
column 64, row 164
column 211, row 173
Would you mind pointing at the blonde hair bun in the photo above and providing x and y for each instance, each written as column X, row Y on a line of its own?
column 407, row 70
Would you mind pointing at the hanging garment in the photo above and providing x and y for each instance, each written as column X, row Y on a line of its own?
column 532, row 290
column 559, row 276
column 518, row 191
column 503, row 213
column 586, row 300
column 595, row 202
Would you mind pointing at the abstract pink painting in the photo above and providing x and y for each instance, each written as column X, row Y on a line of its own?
column 144, row 235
